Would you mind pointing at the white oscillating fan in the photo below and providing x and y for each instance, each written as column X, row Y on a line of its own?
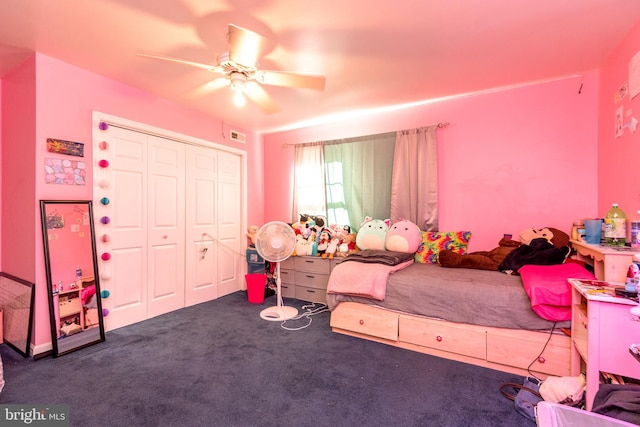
column 275, row 242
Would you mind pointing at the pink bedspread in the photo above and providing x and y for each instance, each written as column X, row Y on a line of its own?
column 362, row 279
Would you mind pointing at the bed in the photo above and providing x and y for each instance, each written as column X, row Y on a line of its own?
column 480, row 317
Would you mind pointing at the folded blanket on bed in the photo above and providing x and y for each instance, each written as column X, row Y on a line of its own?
column 355, row 278
column 380, row 257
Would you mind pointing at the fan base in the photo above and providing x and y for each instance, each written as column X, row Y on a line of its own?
column 279, row 313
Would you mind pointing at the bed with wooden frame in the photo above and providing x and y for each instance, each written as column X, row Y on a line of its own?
column 479, row 317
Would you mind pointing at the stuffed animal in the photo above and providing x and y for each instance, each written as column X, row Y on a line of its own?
column 251, row 234
column 492, row 260
column 403, row 236
column 332, row 248
column 372, row 234
column 347, row 245
column 323, row 243
column 481, row 260
column 540, row 251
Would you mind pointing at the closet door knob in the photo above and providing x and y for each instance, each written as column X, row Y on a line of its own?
column 438, row 338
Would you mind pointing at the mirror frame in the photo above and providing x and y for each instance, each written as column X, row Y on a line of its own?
column 94, row 337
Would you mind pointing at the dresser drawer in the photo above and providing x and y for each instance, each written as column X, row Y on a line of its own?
column 366, row 320
column 311, row 294
column 288, row 264
column 579, row 329
column 520, row 351
column 288, row 290
column 311, row 264
column 466, row 340
column 311, row 280
column 287, row 276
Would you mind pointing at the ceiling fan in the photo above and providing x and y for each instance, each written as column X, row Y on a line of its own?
column 240, row 70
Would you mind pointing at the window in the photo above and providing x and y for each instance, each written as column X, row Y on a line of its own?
column 354, row 174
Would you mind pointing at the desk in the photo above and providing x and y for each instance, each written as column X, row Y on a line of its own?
column 602, row 329
column 609, row 263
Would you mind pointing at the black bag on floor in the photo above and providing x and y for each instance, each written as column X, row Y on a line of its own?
column 525, row 396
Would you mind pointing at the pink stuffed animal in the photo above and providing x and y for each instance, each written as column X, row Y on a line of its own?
column 403, row 236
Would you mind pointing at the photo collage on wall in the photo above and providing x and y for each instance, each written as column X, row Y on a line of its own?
column 65, row 171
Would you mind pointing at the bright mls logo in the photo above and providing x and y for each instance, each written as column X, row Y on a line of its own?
column 34, row 415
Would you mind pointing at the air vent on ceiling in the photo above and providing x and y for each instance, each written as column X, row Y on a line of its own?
column 238, row 136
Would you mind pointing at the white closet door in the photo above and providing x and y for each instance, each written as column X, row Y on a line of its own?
column 229, row 224
column 166, row 222
column 125, row 274
column 201, row 225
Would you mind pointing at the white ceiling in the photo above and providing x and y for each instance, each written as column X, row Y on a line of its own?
column 374, row 53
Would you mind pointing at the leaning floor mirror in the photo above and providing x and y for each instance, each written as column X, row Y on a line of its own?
column 72, row 274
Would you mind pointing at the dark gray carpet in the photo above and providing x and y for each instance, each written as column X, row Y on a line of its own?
column 219, row 364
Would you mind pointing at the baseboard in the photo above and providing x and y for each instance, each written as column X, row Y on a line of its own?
column 42, row 350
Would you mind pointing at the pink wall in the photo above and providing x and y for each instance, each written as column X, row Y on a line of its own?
column 511, row 159
column 66, row 97
column 618, row 158
column 19, row 218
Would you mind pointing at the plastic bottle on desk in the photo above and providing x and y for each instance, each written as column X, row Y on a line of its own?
column 615, row 227
column 635, row 231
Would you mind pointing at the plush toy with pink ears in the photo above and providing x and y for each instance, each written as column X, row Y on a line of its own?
column 372, row 234
column 403, row 236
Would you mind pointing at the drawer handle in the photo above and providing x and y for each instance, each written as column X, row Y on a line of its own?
column 541, row 359
column 311, row 277
column 361, row 322
column 438, row 338
column 311, row 291
column 308, row 261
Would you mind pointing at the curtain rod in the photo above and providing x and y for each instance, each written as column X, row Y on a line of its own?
column 440, row 125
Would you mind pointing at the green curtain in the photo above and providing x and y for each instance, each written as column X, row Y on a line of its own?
column 358, row 178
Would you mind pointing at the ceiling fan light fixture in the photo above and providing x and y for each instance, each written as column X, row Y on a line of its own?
column 238, row 86
column 239, row 99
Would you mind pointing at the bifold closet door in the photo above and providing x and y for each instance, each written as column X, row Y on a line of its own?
column 175, row 229
column 124, row 275
column 231, row 259
column 201, row 224
column 166, row 226
column 215, row 260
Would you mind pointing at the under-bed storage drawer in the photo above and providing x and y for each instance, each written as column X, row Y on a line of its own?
column 520, row 352
column 467, row 340
column 365, row 320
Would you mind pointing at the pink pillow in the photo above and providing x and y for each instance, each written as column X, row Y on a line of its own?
column 549, row 289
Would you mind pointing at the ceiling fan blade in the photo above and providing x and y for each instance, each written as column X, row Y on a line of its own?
column 289, row 79
column 245, row 46
column 261, row 98
column 208, row 87
column 207, row 67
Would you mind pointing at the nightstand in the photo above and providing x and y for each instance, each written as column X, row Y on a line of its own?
column 602, row 330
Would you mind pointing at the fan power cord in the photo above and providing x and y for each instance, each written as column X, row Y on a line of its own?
column 311, row 310
column 541, row 352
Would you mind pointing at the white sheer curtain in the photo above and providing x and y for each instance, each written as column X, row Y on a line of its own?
column 414, row 184
column 308, row 181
